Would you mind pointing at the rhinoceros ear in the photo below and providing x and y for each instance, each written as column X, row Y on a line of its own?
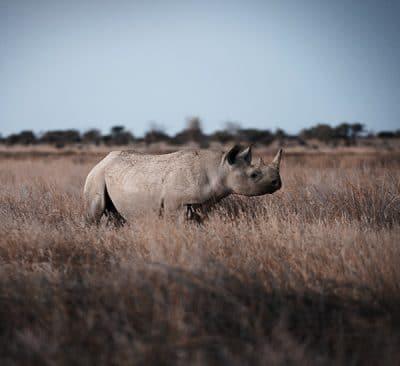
column 245, row 155
column 277, row 159
column 232, row 155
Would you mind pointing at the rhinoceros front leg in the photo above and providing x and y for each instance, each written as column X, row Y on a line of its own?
column 192, row 215
column 179, row 211
column 187, row 213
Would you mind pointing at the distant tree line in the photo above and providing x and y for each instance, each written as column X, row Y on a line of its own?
column 345, row 133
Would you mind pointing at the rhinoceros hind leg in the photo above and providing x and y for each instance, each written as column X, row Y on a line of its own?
column 113, row 216
column 95, row 209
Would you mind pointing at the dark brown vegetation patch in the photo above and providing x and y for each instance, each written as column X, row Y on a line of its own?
column 309, row 275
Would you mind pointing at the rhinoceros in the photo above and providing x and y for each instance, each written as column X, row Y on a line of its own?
column 127, row 183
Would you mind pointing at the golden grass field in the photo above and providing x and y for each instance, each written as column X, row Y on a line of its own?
column 309, row 275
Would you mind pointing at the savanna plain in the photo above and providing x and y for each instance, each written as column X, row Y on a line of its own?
column 309, row 275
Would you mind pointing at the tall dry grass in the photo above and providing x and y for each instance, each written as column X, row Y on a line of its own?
column 309, row 275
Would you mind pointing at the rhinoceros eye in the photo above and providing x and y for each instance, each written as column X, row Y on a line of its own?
column 254, row 175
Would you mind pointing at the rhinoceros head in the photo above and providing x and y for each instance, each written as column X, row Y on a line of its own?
column 245, row 178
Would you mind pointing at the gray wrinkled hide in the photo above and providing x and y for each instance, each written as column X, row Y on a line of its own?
column 132, row 183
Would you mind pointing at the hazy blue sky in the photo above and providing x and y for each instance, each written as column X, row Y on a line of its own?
column 266, row 64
